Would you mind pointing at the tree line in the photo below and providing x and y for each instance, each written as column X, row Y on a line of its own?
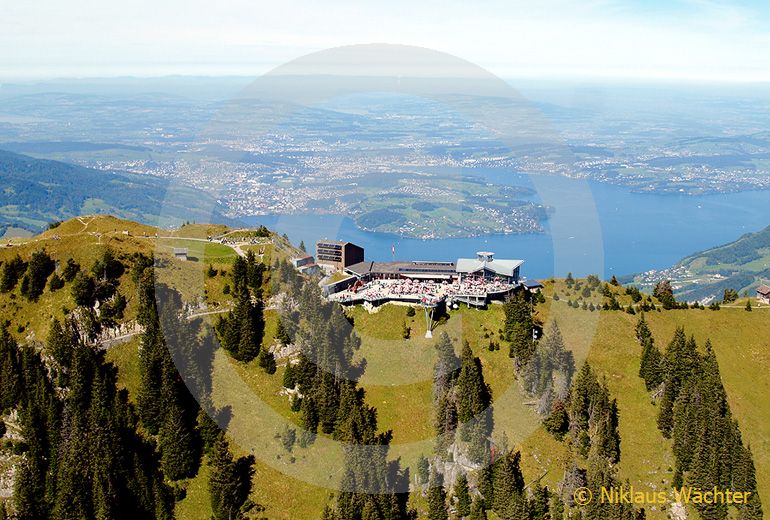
column 86, row 451
column 693, row 410
column 329, row 402
column 461, row 401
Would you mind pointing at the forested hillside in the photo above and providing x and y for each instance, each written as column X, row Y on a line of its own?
column 741, row 265
column 36, row 192
column 136, row 384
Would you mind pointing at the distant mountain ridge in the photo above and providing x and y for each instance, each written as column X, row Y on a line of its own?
column 742, row 265
column 36, row 192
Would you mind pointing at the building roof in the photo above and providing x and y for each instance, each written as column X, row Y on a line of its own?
column 501, row 267
column 180, row 250
column 361, row 268
column 428, row 269
column 533, row 284
column 764, row 290
column 416, row 269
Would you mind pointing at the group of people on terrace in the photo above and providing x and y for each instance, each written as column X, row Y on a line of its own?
column 422, row 291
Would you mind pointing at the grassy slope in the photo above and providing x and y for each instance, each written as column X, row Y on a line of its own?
column 397, row 380
column 82, row 239
column 607, row 341
column 740, row 342
column 739, row 339
column 85, row 238
column 126, row 357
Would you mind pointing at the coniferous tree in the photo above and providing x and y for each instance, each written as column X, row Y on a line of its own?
column 59, row 345
column 651, row 365
column 518, row 327
column 10, row 371
column 730, row 295
column 288, row 376
column 149, row 398
column 473, row 399
column 592, row 412
column 309, row 414
column 325, row 376
column 557, row 421
column 71, row 268
column 119, row 478
column 254, row 272
column 550, row 368
column 85, row 457
column 707, row 444
column 557, row 508
column 240, row 331
column 281, row 335
column 423, row 470
column 11, row 272
column 437, row 509
column 664, row 292
column 266, row 361
column 485, row 482
column 208, row 430
column 477, row 510
column 539, row 503
column 55, row 283
column 445, row 373
column 29, row 488
column 39, row 269
column 679, row 363
column 744, row 479
column 108, row 266
column 447, row 366
column 177, row 445
column 473, row 393
column 230, row 481
column 239, row 274
column 462, row 495
column 328, row 513
column 84, row 290
column 508, row 483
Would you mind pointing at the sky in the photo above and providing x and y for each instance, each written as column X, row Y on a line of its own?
column 693, row 40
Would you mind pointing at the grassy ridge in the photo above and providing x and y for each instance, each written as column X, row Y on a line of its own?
column 398, row 375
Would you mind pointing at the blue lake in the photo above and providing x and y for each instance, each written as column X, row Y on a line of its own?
column 595, row 228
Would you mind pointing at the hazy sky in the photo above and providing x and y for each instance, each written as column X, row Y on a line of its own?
column 692, row 39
